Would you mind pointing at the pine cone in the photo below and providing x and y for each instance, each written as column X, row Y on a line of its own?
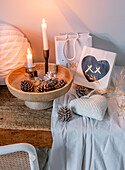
column 50, row 84
column 55, row 80
column 27, row 86
column 60, row 84
column 40, row 89
column 81, row 91
column 63, row 82
column 47, row 87
column 64, row 114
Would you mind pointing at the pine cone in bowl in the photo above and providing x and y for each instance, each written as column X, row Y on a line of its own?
column 27, row 86
column 40, row 89
column 60, row 84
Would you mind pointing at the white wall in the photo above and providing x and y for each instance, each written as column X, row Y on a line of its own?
column 105, row 19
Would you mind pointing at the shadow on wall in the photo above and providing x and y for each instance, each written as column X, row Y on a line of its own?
column 100, row 40
column 71, row 17
column 106, row 42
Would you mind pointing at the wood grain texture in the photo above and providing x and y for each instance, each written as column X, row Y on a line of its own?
column 21, row 124
column 38, row 138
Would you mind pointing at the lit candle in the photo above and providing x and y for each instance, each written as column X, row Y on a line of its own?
column 44, row 31
column 29, row 59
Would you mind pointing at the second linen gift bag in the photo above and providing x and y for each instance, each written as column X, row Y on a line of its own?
column 69, row 47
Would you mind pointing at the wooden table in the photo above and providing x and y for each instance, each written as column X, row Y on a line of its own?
column 20, row 124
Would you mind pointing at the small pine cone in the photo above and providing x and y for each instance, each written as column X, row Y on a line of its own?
column 50, row 84
column 27, row 86
column 40, row 89
column 63, row 81
column 64, row 114
column 60, row 84
column 81, row 91
column 48, row 87
column 54, row 81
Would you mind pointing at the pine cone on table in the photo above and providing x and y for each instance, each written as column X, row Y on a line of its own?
column 27, row 86
column 64, row 114
column 81, row 91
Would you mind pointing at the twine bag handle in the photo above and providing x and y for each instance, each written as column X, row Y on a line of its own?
column 74, row 47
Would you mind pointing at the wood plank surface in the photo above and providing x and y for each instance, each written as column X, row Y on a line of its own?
column 21, row 124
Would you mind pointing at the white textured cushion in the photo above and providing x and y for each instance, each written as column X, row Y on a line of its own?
column 93, row 107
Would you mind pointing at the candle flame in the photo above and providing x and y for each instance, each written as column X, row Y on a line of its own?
column 28, row 51
column 43, row 21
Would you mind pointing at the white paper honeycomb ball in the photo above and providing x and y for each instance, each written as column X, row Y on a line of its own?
column 13, row 49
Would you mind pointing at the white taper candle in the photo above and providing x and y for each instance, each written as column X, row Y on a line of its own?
column 44, row 32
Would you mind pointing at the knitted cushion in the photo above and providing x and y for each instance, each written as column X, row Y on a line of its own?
column 93, row 107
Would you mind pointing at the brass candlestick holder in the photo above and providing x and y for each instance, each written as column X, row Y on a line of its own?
column 46, row 57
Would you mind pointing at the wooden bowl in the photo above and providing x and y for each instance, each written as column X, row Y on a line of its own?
column 36, row 100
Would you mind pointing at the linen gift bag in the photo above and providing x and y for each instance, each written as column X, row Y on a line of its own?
column 69, row 47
